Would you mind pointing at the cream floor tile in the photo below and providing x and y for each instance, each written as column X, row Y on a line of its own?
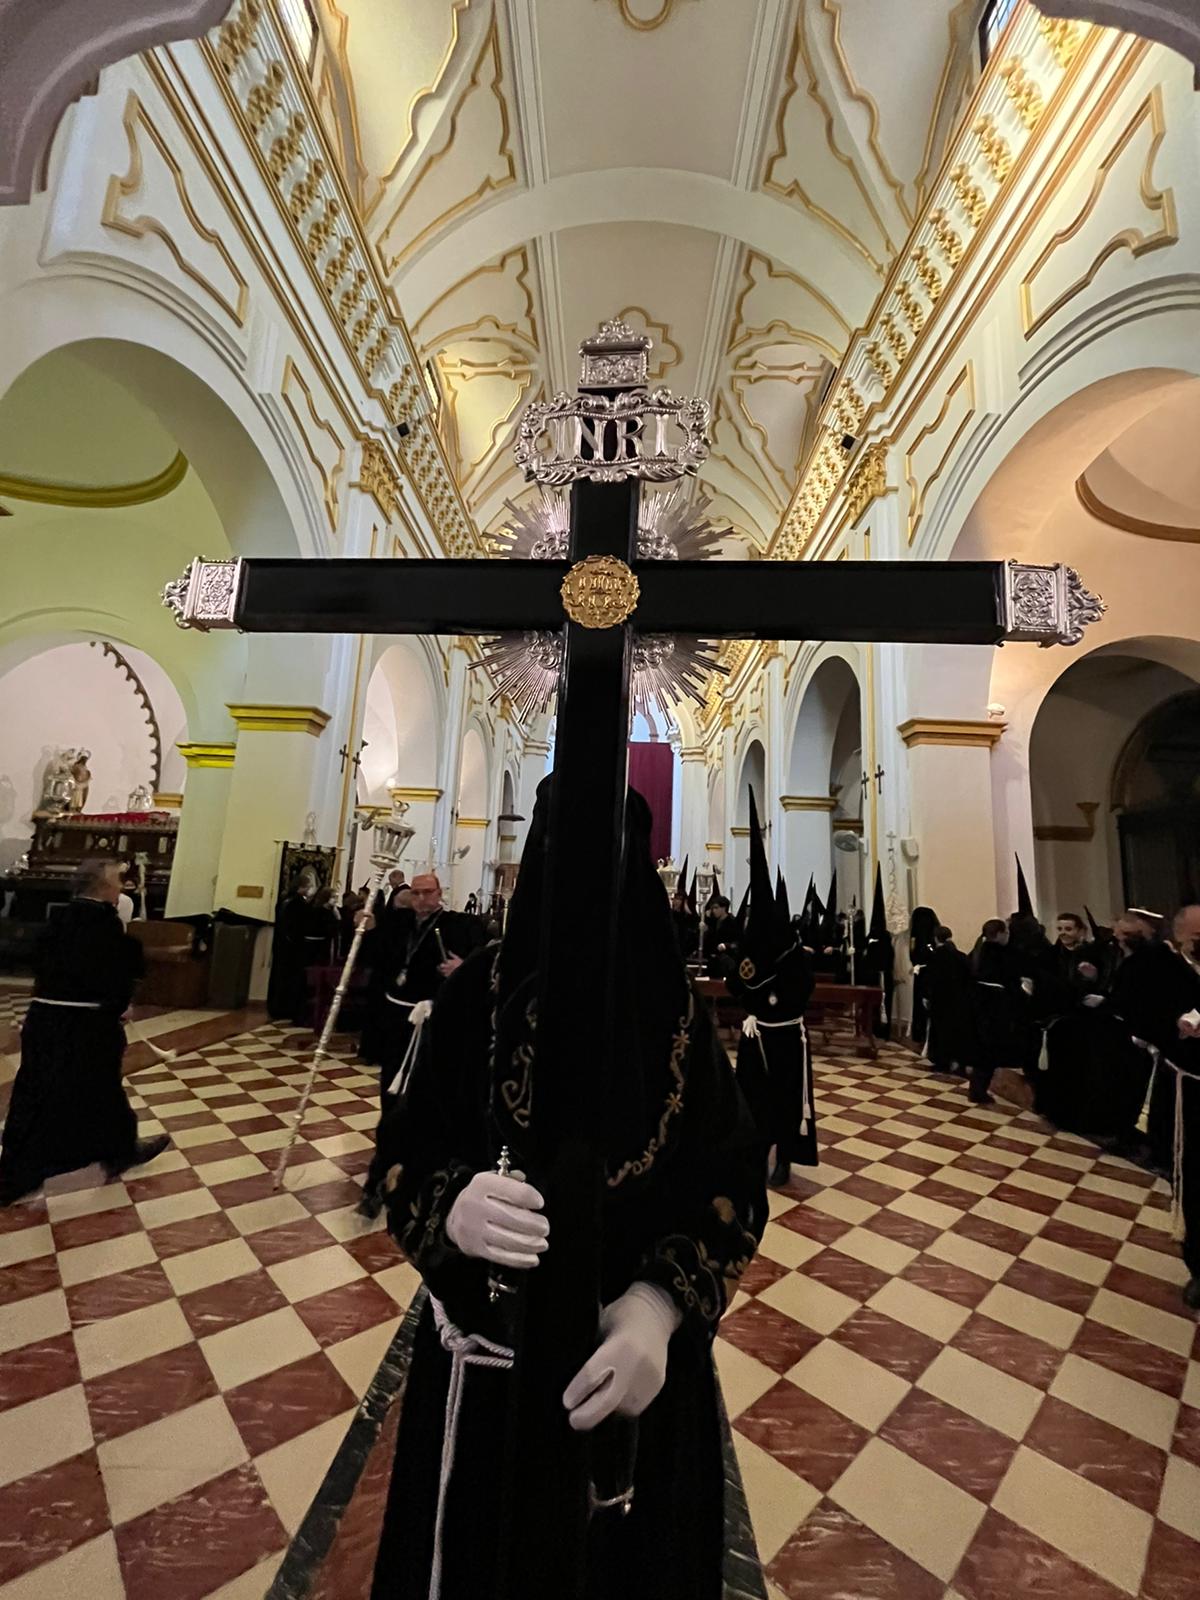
column 360, row 1121
column 838, row 1125
column 856, row 1387
column 1141, row 1411
column 960, row 1251
column 856, row 1146
column 358, row 1358
column 277, row 1091
column 1159, row 1221
column 1130, row 1192
column 41, row 1316
column 809, row 1302
column 271, row 1139
column 1154, row 1263
column 1072, row 1263
column 148, row 1127
column 1002, row 1158
column 211, row 1133
column 90, row 1570
column 292, row 1472
column 918, row 1511
column 153, row 1464
column 1169, row 1332
column 1038, row 1318
column 1094, row 1221
column 232, row 1115
column 119, row 1341
column 272, row 1212
column 1180, row 1503
column 894, row 1177
column 927, row 1152
column 969, row 1182
column 214, row 1263
column 401, row 1281
column 1063, row 1158
column 171, row 1160
column 88, row 1202
column 311, row 1173
column 847, row 1207
column 343, row 1144
column 889, row 1255
column 26, row 1244
column 825, row 1176
column 744, row 1379
column 787, row 1249
column 213, row 1173
column 981, row 1391
column 1018, row 1217
column 210, row 1091
column 345, row 1223
column 169, row 1208
column 923, row 1209
column 919, row 1308
column 43, row 1432
column 316, row 1273
column 178, row 1108
column 778, row 1500
column 252, row 1585
column 779, row 1204
column 332, row 1097
column 1191, row 1386
column 236, row 1355
column 904, row 1130
column 1097, row 1529
column 89, row 1261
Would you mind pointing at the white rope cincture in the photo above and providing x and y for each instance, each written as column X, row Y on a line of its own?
column 420, row 1011
column 465, row 1350
column 70, row 1005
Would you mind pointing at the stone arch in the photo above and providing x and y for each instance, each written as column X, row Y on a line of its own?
column 824, row 759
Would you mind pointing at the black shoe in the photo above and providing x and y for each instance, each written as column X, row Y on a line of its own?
column 143, row 1151
column 780, row 1175
column 983, row 1099
column 1191, row 1294
column 370, row 1205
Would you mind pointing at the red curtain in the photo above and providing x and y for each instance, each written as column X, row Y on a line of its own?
column 652, row 774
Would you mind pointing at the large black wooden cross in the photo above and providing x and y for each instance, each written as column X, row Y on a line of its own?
column 632, row 438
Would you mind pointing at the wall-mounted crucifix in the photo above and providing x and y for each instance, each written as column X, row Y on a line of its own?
column 604, row 591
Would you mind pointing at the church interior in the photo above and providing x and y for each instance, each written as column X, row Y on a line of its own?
column 278, row 281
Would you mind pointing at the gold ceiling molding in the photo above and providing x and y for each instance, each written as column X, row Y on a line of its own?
column 949, row 731
column 410, row 116
column 933, row 240
column 1071, row 833
column 458, row 374
column 1160, row 203
column 740, row 331
column 868, row 481
column 641, row 23
column 96, row 497
column 472, row 822
column 833, row 10
column 809, row 802
column 955, row 54
column 740, row 381
column 497, row 268
column 1113, row 516
column 794, row 189
column 479, row 79
column 918, row 496
column 413, row 796
column 136, row 121
column 279, row 719
column 378, row 477
column 773, row 495
column 663, row 338
column 329, row 470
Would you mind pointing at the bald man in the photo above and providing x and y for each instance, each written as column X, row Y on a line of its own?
column 416, row 950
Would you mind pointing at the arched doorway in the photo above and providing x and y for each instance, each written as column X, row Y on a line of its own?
column 752, row 775
column 824, row 783
column 401, row 729
column 1156, row 796
column 464, row 873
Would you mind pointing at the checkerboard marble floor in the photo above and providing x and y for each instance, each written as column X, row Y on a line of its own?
column 180, row 1352
column 959, row 1367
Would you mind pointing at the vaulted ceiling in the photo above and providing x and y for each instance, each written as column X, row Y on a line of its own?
column 731, row 175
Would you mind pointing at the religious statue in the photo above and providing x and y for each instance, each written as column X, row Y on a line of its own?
column 310, row 829
column 140, row 799
column 81, row 778
column 58, row 784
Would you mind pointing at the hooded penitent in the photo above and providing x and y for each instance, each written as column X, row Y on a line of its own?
column 880, row 958
column 680, row 1203
column 772, row 982
column 1024, row 898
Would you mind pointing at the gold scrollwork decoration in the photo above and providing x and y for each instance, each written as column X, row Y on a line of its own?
column 645, row 24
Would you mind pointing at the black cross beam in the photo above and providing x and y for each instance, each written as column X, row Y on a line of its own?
column 960, row 602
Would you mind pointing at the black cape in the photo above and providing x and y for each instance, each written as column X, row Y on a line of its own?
column 950, row 1040
column 683, row 1207
column 69, row 1106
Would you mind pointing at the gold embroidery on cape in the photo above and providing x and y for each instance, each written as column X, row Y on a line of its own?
column 671, row 1107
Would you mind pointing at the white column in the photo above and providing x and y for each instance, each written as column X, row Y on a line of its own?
column 807, row 847
column 450, row 755
column 950, row 779
column 693, row 813
column 728, row 867
column 202, row 820
column 773, row 799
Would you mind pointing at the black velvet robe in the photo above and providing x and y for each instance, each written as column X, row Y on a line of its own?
column 69, row 1106
column 685, row 1214
column 775, row 1068
column 950, row 1040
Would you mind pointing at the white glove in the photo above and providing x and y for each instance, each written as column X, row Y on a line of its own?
column 497, row 1218
column 1093, row 1000
column 630, row 1367
column 1027, row 985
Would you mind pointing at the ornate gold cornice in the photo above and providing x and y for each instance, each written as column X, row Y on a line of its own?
column 740, row 833
column 280, row 719
column 868, row 481
column 95, row 497
column 472, row 822
column 809, row 802
column 948, row 731
column 1115, row 518
column 714, row 844
column 414, row 795
column 207, row 755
